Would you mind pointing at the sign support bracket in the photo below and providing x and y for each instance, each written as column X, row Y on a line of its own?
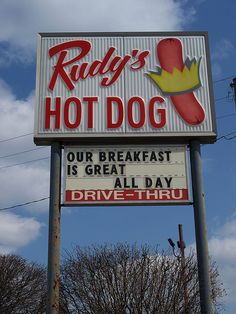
column 53, row 279
column 200, row 228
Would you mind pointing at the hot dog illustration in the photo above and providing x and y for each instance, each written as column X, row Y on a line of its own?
column 178, row 79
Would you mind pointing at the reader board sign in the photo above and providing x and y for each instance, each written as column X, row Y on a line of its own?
column 96, row 86
column 125, row 175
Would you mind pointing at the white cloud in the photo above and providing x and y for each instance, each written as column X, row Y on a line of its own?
column 216, row 70
column 11, row 53
column 222, row 247
column 16, row 231
column 21, row 184
column 16, row 116
column 223, row 50
column 20, row 21
column 29, row 181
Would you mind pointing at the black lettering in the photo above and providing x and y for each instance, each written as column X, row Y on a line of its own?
column 112, row 156
column 120, row 156
column 117, row 183
column 161, row 157
column 70, row 156
column 97, row 169
column 148, row 182
column 128, row 156
column 113, row 169
column 153, row 156
column 134, row 185
column 80, row 156
column 74, row 170
column 122, row 167
column 145, row 155
column 88, row 169
column 126, row 183
column 68, row 170
column 159, row 183
column 102, row 156
column 168, row 155
column 89, row 156
column 106, row 169
column 136, row 156
column 168, row 181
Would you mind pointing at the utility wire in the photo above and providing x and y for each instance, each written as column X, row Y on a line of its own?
column 222, row 98
column 24, row 204
column 223, row 79
column 16, row 137
column 22, row 163
column 227, row 137
column 23, row 152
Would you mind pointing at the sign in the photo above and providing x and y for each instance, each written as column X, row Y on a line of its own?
column 147, row 86
column 125, row 175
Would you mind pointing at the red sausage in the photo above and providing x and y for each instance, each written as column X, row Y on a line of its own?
column 169, row 52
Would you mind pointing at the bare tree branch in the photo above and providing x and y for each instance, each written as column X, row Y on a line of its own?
column 22, row 286
column 127, row 279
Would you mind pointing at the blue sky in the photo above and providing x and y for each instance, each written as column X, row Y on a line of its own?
column 23, row 230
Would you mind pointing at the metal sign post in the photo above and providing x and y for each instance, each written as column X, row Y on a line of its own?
column 200, row 228
column 54, row 230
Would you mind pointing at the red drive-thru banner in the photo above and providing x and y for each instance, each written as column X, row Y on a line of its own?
column 122, row 86
column 125, row 175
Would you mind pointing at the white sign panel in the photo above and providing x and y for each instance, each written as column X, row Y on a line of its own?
column 125, row 175
column 123, row 86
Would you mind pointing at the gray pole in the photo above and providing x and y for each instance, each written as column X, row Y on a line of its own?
column 200, row 228
column 54, row 230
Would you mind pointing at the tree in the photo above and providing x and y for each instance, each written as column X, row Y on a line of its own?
column 124, row 279
column 22, row 286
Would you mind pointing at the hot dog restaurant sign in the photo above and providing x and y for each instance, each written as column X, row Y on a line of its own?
column 146, row 85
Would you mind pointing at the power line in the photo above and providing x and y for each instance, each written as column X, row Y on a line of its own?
column 22, row 163
column 223, row 79
column 24, row 204
column 23, row 152
column 16, row 137
column 227, row 137
column 222, row 98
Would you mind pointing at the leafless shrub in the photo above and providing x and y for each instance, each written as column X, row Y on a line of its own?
column 126, row 279
column 22, row 286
